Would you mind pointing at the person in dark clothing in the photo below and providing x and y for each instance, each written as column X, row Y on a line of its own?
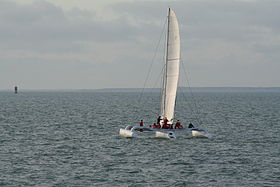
column 191, row 125
column 158, row 120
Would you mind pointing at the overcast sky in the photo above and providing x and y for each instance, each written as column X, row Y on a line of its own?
column 85, row 44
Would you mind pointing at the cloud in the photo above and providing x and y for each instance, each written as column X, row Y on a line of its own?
column 216, row 35
column 220, row 40
column 44, row 27
column 215, row 18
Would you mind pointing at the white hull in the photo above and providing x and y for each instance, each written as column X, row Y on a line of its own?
column 126, row 133
column 136, row 131
column 168, row 135
column 201, row 134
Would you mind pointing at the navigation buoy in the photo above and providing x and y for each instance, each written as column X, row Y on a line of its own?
column 16, row 89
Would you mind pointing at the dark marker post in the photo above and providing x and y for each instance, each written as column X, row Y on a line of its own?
column 16, row 89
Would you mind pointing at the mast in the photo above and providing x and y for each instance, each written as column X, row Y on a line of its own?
column 171, row 71
column 165, row 69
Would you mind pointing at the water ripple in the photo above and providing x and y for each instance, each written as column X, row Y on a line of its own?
column 71, row 139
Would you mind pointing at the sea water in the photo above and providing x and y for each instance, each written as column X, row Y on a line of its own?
column 71, row 139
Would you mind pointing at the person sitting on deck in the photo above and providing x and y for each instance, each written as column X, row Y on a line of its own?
column 178, row 125
column 165, row 124
column 168, row 126
column 165, row 120
column 154, row 126
column 141, row 125
column 191, row 125
column 158, row 126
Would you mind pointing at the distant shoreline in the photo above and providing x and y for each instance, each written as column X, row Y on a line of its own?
column 180, row 89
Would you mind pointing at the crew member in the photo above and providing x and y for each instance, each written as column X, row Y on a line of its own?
column 191, row 125
column 178, row 125
column 165, row 120
column 165, row 124
column 158, row 120
column 141, row 125
column 158, row 126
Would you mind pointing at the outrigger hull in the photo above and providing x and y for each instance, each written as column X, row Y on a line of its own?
column 126, row 133
column 200, row 133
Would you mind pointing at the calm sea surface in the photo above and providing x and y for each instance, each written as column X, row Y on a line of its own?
column 71, row 139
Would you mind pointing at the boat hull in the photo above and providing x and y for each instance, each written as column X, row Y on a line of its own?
column 126, row 133
column 168, row 135
column 137, row 131
column 200, row 133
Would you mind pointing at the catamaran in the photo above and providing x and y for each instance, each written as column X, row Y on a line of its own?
column 169, row 90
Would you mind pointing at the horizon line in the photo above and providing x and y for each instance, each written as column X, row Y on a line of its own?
column 125, row 88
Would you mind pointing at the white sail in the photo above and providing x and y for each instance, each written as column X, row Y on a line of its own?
column 171, row 74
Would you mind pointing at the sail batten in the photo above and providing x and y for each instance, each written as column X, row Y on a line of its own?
column 171, row 73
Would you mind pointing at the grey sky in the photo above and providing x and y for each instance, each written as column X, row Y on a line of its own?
column 58, row 44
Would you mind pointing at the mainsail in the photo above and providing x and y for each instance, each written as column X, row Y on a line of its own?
column 171, row 73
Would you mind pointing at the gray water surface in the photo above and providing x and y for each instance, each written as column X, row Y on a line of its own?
column 71, row 139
